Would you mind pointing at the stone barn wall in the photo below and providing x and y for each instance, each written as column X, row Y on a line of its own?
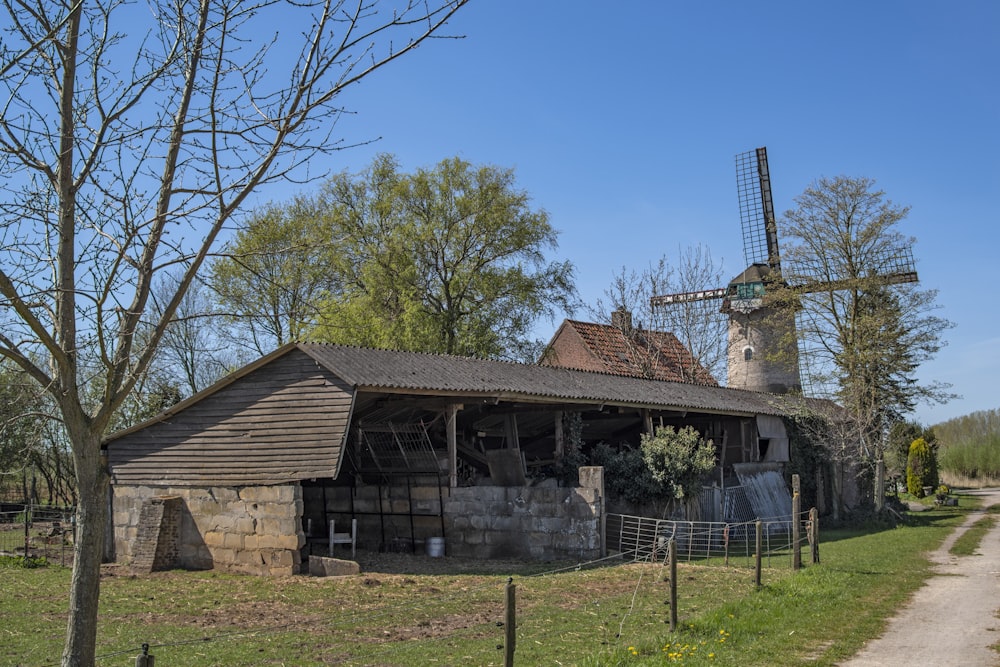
column 249, row 529
column 533, row 523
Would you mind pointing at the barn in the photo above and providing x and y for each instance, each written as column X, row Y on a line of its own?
column 254, row 473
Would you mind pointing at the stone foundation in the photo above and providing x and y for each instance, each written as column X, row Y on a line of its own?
column 250, row 529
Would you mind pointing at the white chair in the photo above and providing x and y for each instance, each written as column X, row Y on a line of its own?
column 344, row 538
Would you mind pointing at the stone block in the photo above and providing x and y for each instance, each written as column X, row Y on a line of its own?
column 232, row 541
column 214, row 539
column 268, row 541
column 224, row 494
column 277, row 559
column 592, row 477
column 471, row 537
column 321, row 566
column 245, row 525
column 291, row 542
column 224, row 556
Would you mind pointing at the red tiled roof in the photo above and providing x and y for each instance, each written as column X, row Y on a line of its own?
column 657, row 355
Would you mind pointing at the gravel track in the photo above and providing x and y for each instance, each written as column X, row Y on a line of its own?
column 953, row 620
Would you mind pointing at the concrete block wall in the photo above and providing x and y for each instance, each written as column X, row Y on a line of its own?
column 537, row 523
column 250, row 529
column 533, row 523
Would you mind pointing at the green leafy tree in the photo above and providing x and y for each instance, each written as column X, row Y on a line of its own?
column 275, row 272
column 678, row 459
column 129, row 139
column 921, row 467
column 448, row 260
column 862, row 334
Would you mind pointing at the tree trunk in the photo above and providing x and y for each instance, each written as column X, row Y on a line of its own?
column 88, row 548
column 880, row 485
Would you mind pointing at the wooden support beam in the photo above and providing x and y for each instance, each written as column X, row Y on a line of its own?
column 452, row 427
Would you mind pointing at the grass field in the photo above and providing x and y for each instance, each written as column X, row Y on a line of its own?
column 415, row 611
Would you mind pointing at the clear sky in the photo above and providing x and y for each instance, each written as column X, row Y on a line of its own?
column 622, row 120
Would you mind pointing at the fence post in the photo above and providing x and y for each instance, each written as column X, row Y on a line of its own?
column 796, row 524
column 759, row 537
column 144, row 659
column 672, row 555
column 510, row 624
column 814, row 534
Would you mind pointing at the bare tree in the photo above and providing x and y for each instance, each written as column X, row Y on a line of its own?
column 191, row 351
column 698, row 325
column 123, row 154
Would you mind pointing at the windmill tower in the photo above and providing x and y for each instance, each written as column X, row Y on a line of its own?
column 763, row 347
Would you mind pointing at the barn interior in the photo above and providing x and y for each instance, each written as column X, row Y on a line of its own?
column 398, row 466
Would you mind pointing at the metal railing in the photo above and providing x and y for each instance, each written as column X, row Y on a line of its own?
column 644, row 538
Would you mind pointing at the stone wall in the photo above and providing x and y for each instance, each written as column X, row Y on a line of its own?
column 523, row 522
column 158, row 535
column 249, row 529
column 530, row 522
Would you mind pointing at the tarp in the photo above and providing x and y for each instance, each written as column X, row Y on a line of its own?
column 773, row 430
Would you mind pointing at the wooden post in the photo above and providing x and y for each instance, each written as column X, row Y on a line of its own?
column 672, row 556
column 144, row 659
column 796, row 524
column 759, row 539
column 560, row 437
column 452, row 434
column 814, row 534
column 510, row 624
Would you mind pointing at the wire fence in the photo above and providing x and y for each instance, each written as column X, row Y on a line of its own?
column 610, row 610
column 37, row 531
column 610, row 606
column 645, row 538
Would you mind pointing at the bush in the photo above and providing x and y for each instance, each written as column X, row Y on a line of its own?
column 626, row 475
column 921, row 468
column 678, row 459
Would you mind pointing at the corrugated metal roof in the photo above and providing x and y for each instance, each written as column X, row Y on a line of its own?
column 391, row 370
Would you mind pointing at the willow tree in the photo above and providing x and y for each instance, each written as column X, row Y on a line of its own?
column 450, row 259
column 130, row 135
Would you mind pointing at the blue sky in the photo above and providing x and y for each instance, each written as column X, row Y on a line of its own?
column 622, row 120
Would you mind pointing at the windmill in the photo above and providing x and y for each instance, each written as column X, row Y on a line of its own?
column 763, row 350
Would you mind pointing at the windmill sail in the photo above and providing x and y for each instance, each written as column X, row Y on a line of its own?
column 760, row 229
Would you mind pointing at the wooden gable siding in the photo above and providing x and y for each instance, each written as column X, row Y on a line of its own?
column 283, row 422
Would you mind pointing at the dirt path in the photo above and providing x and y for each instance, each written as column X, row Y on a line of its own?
column 953, row 619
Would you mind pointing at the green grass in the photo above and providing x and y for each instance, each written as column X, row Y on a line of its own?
column 612, row 615
column 968, row 542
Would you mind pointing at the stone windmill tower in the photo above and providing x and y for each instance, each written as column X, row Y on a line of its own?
column 763, row 347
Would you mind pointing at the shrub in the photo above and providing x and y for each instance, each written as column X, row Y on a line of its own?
column 921, row 467
column 626, row 475
column 678, row 459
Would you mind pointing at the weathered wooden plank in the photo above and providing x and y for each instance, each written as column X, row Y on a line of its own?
column 206, row 454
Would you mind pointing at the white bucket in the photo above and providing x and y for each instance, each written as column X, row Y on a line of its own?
column 435, row 547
